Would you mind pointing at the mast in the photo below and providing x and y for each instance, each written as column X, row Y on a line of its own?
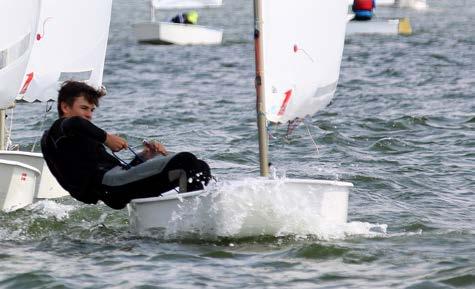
column 260, row 93
column 152, row 11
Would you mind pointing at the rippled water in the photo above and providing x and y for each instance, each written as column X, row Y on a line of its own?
column 401, row 128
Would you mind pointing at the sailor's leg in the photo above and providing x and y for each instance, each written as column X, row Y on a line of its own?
column 179, row 175
column 197, row 172
column 182, row 170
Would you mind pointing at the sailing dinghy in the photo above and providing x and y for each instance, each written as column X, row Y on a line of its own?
column 310, row 49
column 65, row 47
column 400, row 26
column 396, row 26
column 18, row 20
column 154, row 32
column 414, row 4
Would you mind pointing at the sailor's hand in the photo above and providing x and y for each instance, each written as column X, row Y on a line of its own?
column 115, row 143
column 155, row 147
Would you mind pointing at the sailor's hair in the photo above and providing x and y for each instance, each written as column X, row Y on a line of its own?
column 72, row 89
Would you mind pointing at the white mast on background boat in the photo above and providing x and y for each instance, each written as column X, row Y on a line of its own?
column 153, row 5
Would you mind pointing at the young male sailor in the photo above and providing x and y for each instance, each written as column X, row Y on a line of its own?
column 74, row 151
column 190, row 17
column 363, row 9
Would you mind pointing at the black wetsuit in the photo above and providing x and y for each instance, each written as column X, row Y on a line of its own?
column 74, row 152
column 181, row 18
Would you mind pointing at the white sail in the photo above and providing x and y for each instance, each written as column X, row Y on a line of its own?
column 185, row 4
column 301, row 55
column 70, row 44
column 18, row 20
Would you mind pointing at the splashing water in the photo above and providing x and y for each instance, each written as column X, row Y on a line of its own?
column 256, row 207
column 48, row 208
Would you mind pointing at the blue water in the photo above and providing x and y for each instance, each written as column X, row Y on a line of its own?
column 401, row 128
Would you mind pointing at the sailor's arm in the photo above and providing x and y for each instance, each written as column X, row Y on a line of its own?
column 154, row 147
column 115, row 143
column 83, row 127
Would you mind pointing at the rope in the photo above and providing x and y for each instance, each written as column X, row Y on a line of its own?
column 49, row 105
column 292, row 126
column 311, row 137
column 9, row 139
column 126, row 165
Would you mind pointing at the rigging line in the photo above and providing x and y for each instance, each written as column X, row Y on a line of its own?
column 49, row 105
column 11, row 125
column 292, row 125
column 311, row 138
column 269, row 126
column 124, row 163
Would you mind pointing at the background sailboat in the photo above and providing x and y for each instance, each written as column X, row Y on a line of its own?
column 166, row 32
column 18, row 20
column 400, row 26
column 297, row 70
column 415, row 4
column 186, row 4
column 66, row 47
column 378, row 25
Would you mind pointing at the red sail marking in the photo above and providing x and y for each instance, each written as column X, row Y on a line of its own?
column 40, row 36
column 297, row 49
column 29, row 78
column 288, row 94
column 23, row 176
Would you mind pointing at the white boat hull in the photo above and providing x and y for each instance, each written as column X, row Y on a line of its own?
column 17, row 185
column 387, row 27
column 174, row 33
column 46, row 185
column 327, row 202
column 384, row 2
column 415, row 4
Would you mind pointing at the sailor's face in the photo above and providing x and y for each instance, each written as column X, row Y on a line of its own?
column 81, row 107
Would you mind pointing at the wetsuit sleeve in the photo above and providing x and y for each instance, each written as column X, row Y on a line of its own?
column 82, row 127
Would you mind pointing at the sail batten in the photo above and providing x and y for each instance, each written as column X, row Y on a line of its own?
column 302, row 49
column 67, row 47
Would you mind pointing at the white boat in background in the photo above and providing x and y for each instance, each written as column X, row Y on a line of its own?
column 18, row 21
column 155, row 32
column 63, row 47
column 310, row 49
column 379, row 2
column 377, row 26
column 385, row 2
column 186, row 4
column 414, row 4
